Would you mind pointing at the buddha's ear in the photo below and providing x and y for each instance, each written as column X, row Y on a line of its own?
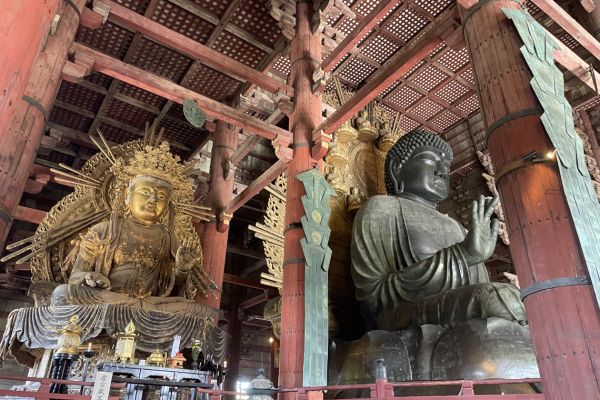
column 394, row 172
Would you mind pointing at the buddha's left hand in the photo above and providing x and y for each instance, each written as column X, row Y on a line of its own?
column 187, row 255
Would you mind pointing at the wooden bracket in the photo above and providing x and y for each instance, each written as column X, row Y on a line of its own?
column 320, row 144
column 91, row 19
column 223, row 219
column 466, row 4
column 320, row 78
column 72, row 72
column 281, row 145
column 284, row 102
column 103, row 9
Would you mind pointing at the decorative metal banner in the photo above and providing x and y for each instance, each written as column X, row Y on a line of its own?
column 317, row 253
column 194, row 115
column 548, row 85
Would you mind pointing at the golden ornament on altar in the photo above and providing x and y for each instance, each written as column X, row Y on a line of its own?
column 125, row 347
column 70, row 337
column 176, row 362
column 157, row 359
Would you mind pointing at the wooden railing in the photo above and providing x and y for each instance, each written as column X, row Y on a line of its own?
column 43, row 392
column 380, row 390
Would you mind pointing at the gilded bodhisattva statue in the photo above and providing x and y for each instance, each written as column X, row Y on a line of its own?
column 411, row 263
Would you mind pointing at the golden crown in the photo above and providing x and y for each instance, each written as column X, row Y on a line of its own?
column 157, row 162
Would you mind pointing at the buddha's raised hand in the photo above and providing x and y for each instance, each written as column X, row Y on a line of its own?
column 187, row 255
column 97, row 280
column 480, row 242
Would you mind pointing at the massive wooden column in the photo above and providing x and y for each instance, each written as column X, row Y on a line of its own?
column 24, row 27
column 214, row 234
column 18, row 145
column 305, row 57
column 234, row 330
column 564, row 320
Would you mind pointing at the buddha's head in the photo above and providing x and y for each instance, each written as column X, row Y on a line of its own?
column 147, row 199
column 418, row 167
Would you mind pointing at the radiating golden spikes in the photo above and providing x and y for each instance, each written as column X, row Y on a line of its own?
column 77, row 177
column 160, row 135
column 194, row 206
column 201, row 216
column 42, row 241
column 75, row 182
column 106, row 151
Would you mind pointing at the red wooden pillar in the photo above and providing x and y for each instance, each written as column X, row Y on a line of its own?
column 215, row 233
column 18, row 145
column 24, row 27
column 305, row 57
column 234, row 330
column 564, row 321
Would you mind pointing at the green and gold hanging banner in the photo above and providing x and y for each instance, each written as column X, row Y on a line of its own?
column 317, row 254
column 548, row 85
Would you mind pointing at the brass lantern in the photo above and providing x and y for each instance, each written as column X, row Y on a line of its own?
column 70, row 337
column 125, row 347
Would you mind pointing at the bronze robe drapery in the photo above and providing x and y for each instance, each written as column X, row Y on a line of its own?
column 407, row 265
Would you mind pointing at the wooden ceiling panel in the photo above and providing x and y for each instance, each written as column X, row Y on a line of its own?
column 428, row 77
column 282, row 67
column 239, row 49
column 408, row 124
column 380, row 48
column 347, row 26
column 99, row 79
column 469, row 105
column 109, row 38
column 406, row 24
column 78, row 95
column 141, row 95
column 215, row 7
column 253, row 17
column 453, row 60
column 356, row 71
column 434, row 7
column 426, row 109
column 445, row 120
column 128, row 114
column 451, row 91
column 366, row 6
column 70, row 119
column 160, row 60
column 404, row 97
column 467, row 75
column 139, row 6
column 213, row 84
column 182, row 21
column 117, row 135
column 181, row 132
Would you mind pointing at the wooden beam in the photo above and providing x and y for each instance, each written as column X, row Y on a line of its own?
column 243, row 150
column 575, row 64
column 259, row 184
column 213, row 19
column 363, row 28
column 169, row 90
column 409, row 56
column 30, row 215
column 254, row 301
column 214, row 59
column 236, row 280
column 572, row 27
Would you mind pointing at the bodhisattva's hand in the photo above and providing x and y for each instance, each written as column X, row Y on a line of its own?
column 480, row 242
column 187, row 255
column 96, row 280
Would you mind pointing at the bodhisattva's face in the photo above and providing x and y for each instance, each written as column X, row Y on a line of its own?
column 148, row 199
column 425, row 176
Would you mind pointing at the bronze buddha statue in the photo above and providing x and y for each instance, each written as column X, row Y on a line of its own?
column 424, row 293
column 411, row 263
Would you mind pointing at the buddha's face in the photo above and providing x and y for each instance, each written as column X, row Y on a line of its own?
column 148, row 199
column 425, row 175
